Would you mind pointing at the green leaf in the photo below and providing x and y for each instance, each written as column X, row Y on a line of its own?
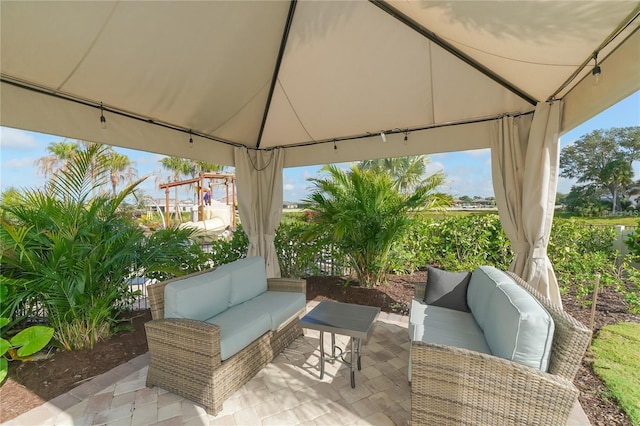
column 4, row 369
column 32, row 339
column 4, row 346
column 3, row 322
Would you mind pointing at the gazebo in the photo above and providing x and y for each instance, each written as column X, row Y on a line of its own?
column 263, row 85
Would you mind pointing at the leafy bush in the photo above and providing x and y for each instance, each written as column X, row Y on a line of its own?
column 454, row 243
column 66, row 254
column 363, row 214
column 300, row 256
column 223, row 251
column 633, row 243
column 578, row 251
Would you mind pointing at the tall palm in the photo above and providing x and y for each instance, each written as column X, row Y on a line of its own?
column 618, row 176
column 177, row 167
column 406, row 172
column 60, row 153
column 121, row 169
column 364, row 214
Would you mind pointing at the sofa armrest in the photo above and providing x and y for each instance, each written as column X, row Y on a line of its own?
column 181, row 340
column 287, row 284
column 465, row 387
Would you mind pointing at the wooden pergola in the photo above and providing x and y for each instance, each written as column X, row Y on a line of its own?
column 228, row 180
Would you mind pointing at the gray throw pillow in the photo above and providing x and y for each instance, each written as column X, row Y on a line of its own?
column 447, row 289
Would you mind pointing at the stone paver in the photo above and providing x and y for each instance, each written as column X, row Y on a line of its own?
column 286, row 392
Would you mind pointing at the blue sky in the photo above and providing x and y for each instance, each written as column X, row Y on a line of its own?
column 467, row 173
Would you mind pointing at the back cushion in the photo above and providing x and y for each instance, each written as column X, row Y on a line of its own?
column 248, row 279
column 200, row 297
column 481, row 285
column 518, row 328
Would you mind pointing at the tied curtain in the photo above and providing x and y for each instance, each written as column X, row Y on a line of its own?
column 525, row 155
column 259, row 179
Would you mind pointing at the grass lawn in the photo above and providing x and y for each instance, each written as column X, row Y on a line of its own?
column 616, row 352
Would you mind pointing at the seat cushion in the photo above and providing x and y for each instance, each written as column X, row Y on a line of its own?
column 248, row 279
column 519, row 328
column 198, row 297
column 481, row 285
column 435, row 324
column 239, row 326
column 280, row 305
column 447, row 289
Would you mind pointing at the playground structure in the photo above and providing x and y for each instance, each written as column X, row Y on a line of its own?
column 214, row 217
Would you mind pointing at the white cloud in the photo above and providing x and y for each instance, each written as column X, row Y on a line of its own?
column 289, row 187
column 18, row 163
column 15, row 138
column 434, row 167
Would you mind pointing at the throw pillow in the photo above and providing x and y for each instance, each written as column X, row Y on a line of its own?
column 447, row 289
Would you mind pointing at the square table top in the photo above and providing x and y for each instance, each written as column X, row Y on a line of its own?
column 347, row 319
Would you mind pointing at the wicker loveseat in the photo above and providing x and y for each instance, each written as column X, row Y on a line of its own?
column 453, row 385
column 241, row 324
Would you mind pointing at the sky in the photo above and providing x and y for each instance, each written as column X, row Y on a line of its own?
column 467, row 172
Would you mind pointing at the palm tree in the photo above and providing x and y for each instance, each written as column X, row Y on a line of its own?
column 120, row 169
column 60, row 153
column 177, row 167
column 364, row 214
column 406, row 172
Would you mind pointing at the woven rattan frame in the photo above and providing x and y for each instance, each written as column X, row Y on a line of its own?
column 185, row 354
column 453, row 386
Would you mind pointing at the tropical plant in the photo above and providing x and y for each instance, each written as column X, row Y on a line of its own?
column 363, row 213
column 66, row 255
column 22, row 345
column 60, row 154
column 177, row 167
column 407, row 172
column 121, row 168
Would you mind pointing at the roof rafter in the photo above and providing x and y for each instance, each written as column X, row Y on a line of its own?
column 276, row 71
column 434, row 38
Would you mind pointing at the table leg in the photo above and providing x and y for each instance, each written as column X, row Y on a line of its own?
column 353, row 365
column 333, row 346
column 321, row 355
column 359, row 348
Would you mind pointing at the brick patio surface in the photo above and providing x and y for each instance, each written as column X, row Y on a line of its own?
column 288, row 391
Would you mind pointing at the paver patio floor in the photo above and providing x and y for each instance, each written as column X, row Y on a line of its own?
column 288, row 391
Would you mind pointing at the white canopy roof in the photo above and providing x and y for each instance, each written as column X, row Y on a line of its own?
column 307, row 75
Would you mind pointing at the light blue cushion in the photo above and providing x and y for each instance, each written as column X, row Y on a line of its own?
column 248, row 279
column 481, row 285
column 280, row 305
column 519, row 328
column 239, row 326
column 198, row 297
column 435, row 324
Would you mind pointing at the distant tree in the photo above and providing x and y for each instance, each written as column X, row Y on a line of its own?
column 177, row 167
column 466, row 199
column 60, row 153
column 121, row 169
column 603, row 160
column 407, row 172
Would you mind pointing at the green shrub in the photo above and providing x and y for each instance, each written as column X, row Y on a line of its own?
column 633, row 243
column 364, row 214
column 223, row 251
column 67, row 254
column 454, row 243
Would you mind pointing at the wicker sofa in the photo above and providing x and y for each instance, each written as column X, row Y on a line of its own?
column 452, row 384
column 212, row 331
